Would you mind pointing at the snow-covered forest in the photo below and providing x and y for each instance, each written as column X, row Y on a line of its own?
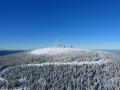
column 60, row 69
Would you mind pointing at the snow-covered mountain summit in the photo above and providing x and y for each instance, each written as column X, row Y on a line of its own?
column 68, row 51
column 55, row 50
column 72, row 55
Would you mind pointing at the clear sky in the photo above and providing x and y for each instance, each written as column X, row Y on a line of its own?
column 28, row 24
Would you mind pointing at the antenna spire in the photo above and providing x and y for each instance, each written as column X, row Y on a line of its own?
column 56, row 42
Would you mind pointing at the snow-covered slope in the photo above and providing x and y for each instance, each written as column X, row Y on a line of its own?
column 54, row 50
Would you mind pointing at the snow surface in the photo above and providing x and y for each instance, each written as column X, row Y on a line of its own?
column 55, row 50
column 67, row 63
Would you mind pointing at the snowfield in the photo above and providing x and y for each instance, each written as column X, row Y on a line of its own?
column 58, row 68
column 55, row 50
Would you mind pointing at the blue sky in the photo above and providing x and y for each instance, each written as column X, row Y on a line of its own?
column 28, row 24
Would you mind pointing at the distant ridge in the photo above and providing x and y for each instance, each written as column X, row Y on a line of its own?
column 6, row 52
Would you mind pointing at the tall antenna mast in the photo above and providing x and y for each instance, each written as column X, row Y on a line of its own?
column 56, row 42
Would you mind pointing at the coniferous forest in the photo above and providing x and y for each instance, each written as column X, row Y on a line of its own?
column 86, row 70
